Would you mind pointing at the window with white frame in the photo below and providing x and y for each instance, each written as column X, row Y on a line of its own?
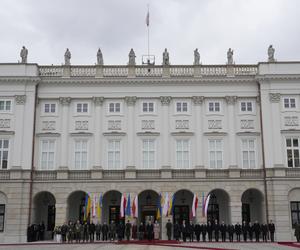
column 47, row 154
column 216, row 153
column 81, row 154
column 248, row 153
column 4, row 148
column 214, row 107
column 5, row 106
column 292, row 148
column 114, row 107
column 246, row 106
column 114, row 154
column 289, row 102
column 82, row 107
column 183, row 153
column 148, row 153
column 148, row 107
column 49, row 108
column 181, row 107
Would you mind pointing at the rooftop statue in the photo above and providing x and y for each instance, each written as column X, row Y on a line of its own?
column 23, row 54
column 131, row 58
column 196, row 57
column 230, row 56
column 166, row 58
column 99, row 57
column 67, row 57
column 271, row 52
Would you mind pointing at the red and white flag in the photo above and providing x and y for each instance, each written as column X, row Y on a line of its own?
column 123, row 206
column 206, row 205
column 134, row 208
column 148, row 19
column 194, row 205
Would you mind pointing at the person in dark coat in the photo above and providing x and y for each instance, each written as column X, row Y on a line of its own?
column 141, row 231
column 204, row 231
column 238, row 231
column 176, row 231
column 149, row 230
column 209, row 231
column 216, row 228
column 112, row 231
column 184, row 230
column 197, row 231
column 169, row 229
column 264, row 230
column 104, row 231
column 92, row 229
column 245, row 230
column 85, row 232
column 250, row 231
column 231, row 231
column 64, row 230
column 77, row 229
column 257, row 230
column 128, row 230
column 191, row 229
column 98, row 230
column 297, row 232
column 271, row 227
column 223, row 229
column 134, row 231
column 42, row 230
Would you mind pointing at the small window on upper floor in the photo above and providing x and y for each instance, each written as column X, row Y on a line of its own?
column 246, row 106
column 50, row 108
column 181, row 107
column 82, row 107
column 5, row 106
column 148, row 107
column 214, row 106
column 114, row 107
column 289, row 102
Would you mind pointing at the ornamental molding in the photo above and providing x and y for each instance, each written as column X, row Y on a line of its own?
column 148, row 124
column 48, row 125
column 197, row 100
column 274, row 97
column 81, row 125
column 20, row 99
column 148, row 133
column 4, row 123
column 182, row 124
column 231, row 99
column 114, row 125
column 165, row 100
column 247, row 124
column 98, row 100
column 130, row 100
column 291, row 121
column 64, row 100
column 214, row 124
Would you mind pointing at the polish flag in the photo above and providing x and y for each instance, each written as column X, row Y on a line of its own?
column 134, row 208
column 123, row 206
column 206, row 205
column 195, row 205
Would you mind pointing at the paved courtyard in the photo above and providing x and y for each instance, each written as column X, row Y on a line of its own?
column 186, row 246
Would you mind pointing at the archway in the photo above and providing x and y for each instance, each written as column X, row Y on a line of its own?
column 147, row 202
column 3, row 209
column 76, row 203
column 182, row 206
column 44, row 210
column 111, row 207
column 294, row 200
column 252, row 206
column 218, row 206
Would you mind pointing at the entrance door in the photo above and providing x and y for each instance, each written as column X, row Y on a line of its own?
column 114, row 214
column 148, row 213
column 246, row 212
column 181, row 213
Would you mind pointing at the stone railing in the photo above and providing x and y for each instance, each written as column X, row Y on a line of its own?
column 45, row 175
column 293, row 172
column 251, row 173
column 79, row 175
column 113, row 174
column 183, row 173
column 146, row 71
column 148, row 174
column 217, row 173
column 4, row 174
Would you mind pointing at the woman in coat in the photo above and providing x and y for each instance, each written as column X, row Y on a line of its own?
column 156, row 229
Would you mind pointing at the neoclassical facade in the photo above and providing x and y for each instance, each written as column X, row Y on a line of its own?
column 231, row 131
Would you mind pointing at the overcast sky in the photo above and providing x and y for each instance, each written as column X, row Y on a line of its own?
column 48, row 27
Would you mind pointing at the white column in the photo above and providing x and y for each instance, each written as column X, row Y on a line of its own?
column 165, row 101
column 130, row 100
column 231, row 100
column 65, row 102
column 198, row 115
column 19, row 125
column 98, row 101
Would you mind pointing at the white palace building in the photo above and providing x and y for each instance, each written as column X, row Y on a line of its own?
column 232, row 131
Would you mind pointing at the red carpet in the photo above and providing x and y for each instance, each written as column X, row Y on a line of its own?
column 290, row 244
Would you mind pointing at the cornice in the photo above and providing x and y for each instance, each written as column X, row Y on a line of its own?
column 182, row 133
column 20, row 79
column 81, row 134
column 277, row 77
column 246, row 133
column 49, row 134
column 147, row 133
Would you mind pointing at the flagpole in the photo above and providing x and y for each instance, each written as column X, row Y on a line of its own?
column 148, row 34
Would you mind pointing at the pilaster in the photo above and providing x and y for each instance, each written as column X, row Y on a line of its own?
column 98, row 102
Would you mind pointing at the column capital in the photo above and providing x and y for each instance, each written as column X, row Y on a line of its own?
column 274, row 97
column 231, row 99
column 130, row 100
column 98, row 100
column 20, row 99
column 198, row 99
column 64, row 100
column 165, row 100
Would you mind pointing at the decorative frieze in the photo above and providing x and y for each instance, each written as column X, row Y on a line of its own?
column 165, row 100
column 274, row 97
column 114, row 125
column 81, row 125
column 20, row 99
column 214, row 124
column 247, row 124
column 198, row 99
column 130, row 100
column 48, row 125
column 231, row 99
column 98, row 100
column 64, row 100
column 148, row 124
column 291, row 121
column 182, row 124
column 4, row 123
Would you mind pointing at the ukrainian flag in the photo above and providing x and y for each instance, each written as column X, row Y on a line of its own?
column 158, row 207
column 171, row 205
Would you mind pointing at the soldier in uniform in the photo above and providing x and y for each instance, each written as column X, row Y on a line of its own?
column 264, row 230
column 203, row 230
column 271, row 227
column 256, row 229
column 223, row 229
column 209, row 231
column 77, row 230
column 98, row 230
column 245, row 230
column 128, row 230
column 216, row 228
column 250, row 231
column 238, row 231
column 169, row 229
column 64, row 230
column 197, row 231
column 297, row 232
column 177, row 231
column 85, row 232
column 104, row 231
column 231, row 232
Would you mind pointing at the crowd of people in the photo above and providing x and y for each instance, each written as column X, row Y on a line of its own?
column 36, row 232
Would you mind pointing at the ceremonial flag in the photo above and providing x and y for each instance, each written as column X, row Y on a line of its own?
column 206, row 205
column 203, row 205
column 89, row 205
column 148, row 19
column 99, row 208
column 158, row 207
column 171, row 205
column 94, row 206
column 194, row 205
column 128, row 208
column 134, row 208
column 123, row 206
column 166, row 205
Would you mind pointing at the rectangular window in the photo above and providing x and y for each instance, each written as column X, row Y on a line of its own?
column 248, row 153
column 182, row 153
column 292, row 148
column 81, row 154
column 181, row 107
column 216, row 153
column 5, row 105
column 4, row 144
column 148, row 153
column 214, row 106
column 148, row 107
column 289, row 103
column 2, row 217
column 114, row 107
column 82, row 107
column 295, row 212
column 246, row 107
column 114, row 154
column 50, row 108
column 47, row 154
